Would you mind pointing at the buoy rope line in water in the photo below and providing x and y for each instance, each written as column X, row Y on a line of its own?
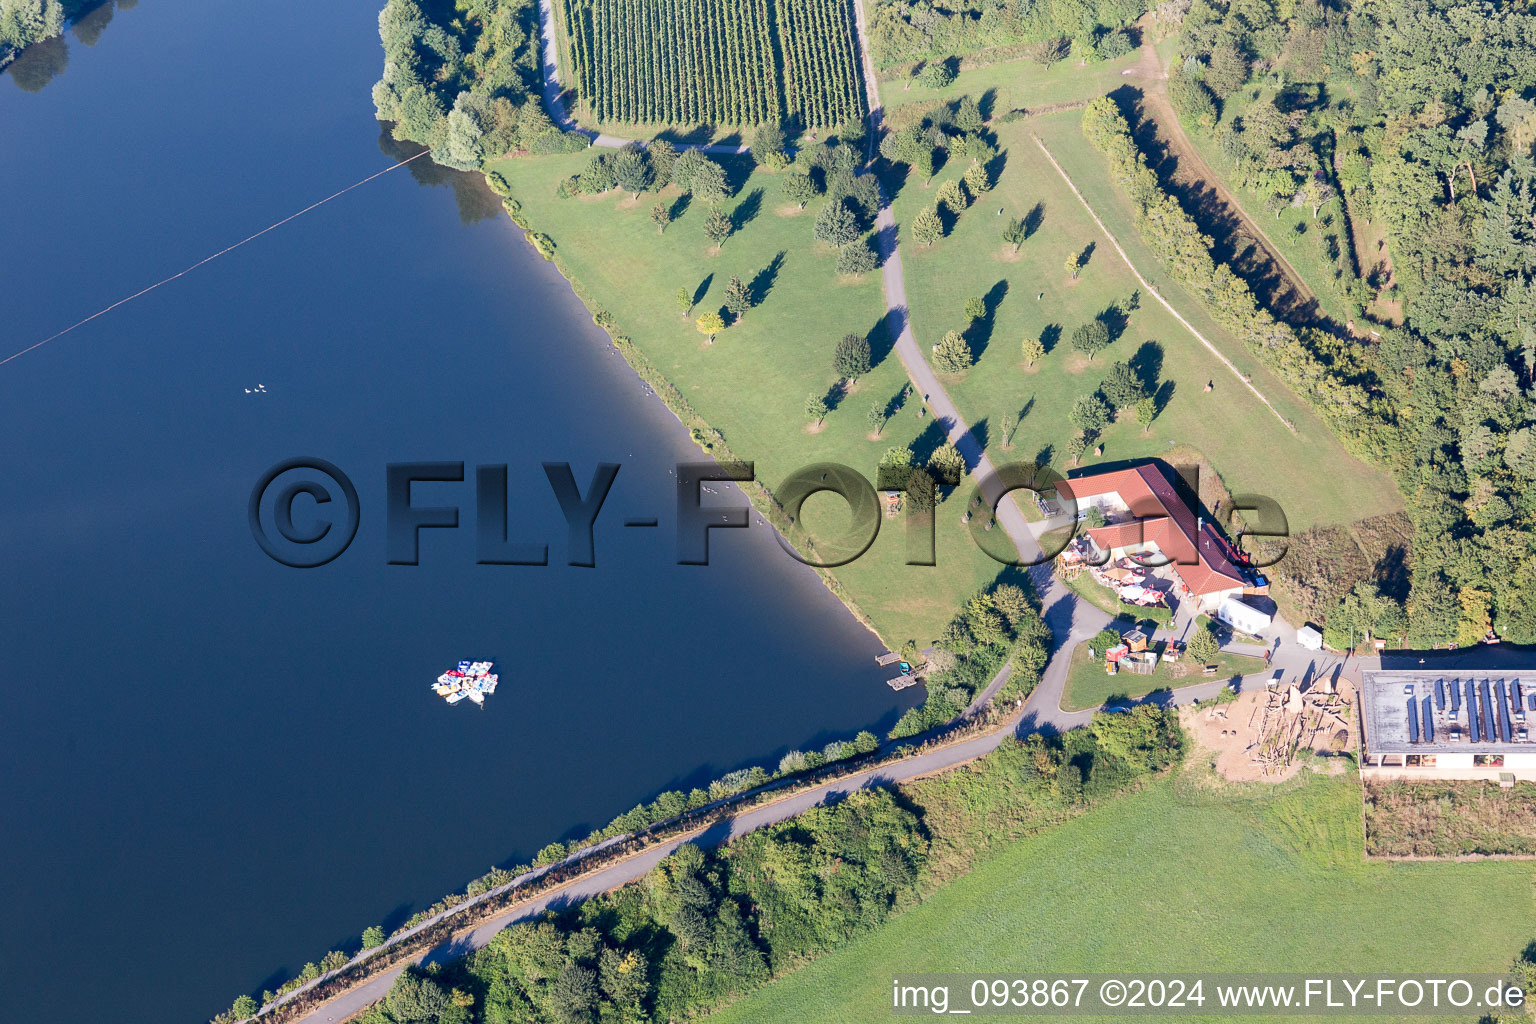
column 209, row 259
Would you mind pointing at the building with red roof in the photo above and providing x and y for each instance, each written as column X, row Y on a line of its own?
column 1150, row 523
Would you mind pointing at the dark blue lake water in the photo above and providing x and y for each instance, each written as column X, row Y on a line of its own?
column 215, row 767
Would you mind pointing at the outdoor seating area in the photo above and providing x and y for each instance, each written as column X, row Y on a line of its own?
column 1133, row 584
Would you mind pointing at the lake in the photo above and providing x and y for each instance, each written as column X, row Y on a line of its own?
column 217, row 767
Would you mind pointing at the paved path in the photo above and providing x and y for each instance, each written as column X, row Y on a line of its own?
column 1072, row 621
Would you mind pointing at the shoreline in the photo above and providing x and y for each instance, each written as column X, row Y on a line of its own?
column 758, row 494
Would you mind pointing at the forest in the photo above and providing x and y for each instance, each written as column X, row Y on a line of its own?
column 463, row 80
column 907, row 31
column 1357, row 111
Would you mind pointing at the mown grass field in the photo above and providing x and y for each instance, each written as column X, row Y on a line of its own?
column 752, row 383
column 1089, row 686
column 1307, row 471
column 1179, row 878
column 1014, row 84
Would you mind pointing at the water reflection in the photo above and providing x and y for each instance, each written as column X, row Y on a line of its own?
column 42, row 62
column 90, row 24
column 39, row 63
column 476, row 202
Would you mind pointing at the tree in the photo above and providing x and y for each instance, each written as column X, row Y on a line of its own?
column 1227, row 71
column 850, row 359
column 1076, row 447
column 1074, row 264
column 947, row 464
column 968, row 115
column 717, row 228
column 1317, row 193
column 1033, row 348
column 927, row 228
column 952, row 197
column 975, row 308
column 924, row 161
column 711, row 324
column 768, row 145
column 631, row 170
column 684, row 302
column 243, row 1007
column 952, row 354
column 1015, row 233
column 415, row 999
column 1146, row 412
column 1203, row 645
column 706, row 180
column 573, row 994
column 661, row 216
column 977, row 179
column 1090, row 337
column 1104, row 640
column 1010, row 427
column 876, row 418
column 663, row 157
column 1122, row 387
column 816, row 407
column 373, row 936
column 856, row 258
column 937, row 74
column 798, row 188
column 738, row 298
column 836, row 224
column 1089, row 414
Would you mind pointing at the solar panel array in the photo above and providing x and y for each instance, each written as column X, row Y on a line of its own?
column 1495, row 709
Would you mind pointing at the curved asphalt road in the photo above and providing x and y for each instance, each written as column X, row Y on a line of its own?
column 1072, row 621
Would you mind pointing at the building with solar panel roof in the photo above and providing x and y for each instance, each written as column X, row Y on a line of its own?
column 1449, row 724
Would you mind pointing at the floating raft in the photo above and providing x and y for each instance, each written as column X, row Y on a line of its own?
column 472, row 680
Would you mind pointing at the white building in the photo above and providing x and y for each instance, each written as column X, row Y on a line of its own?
column 1448, row 724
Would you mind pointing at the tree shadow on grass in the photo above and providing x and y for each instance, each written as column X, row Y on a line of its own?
column 1147, row 364
column 1163, row 397
column 930, row 440
column 703, row 289
column 746, row 211
column 1115, row 320
column 995, row 168
column 979, row 334
column 1050, row 337
column 987, row 103
column 680, row 206
column 880, row 341
column 695, row 136
column 1033, row 219
column 834, row 396
column 762, row 283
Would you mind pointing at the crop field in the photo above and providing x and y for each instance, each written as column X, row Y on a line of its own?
column 822, row 81
column 692, row 62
